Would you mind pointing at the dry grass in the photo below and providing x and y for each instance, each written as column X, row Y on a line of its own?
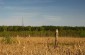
column 44, row 46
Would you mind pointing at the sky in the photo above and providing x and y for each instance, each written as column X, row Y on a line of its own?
column 42, row 12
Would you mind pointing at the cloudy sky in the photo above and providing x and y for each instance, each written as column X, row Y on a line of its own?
column 42, row 12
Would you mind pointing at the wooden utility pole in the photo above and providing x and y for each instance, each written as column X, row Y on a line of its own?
column 56, row 38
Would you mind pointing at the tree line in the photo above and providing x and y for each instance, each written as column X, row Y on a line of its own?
column 40, row 31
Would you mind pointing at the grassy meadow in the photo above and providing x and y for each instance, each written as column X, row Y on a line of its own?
column 42, row 46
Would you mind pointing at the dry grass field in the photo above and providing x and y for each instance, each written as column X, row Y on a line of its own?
column 43, row 46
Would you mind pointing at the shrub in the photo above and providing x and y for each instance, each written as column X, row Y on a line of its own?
column 82, row 34
column 7, row 40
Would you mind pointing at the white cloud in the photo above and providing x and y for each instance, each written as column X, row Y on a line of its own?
column 53, row 18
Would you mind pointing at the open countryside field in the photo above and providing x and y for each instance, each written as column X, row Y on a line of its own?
column 43, row 46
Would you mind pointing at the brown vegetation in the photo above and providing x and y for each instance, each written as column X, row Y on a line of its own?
column 43, row 46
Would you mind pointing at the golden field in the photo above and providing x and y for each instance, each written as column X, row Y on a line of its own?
column 43, row 46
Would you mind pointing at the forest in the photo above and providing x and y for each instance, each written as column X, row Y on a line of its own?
column 42, row 31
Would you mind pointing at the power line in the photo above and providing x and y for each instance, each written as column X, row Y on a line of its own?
column 22, row 21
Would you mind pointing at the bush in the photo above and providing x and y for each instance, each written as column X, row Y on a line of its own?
column 7, row 40
column 82, row 34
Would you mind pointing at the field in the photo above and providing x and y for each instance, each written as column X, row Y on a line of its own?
column 43, row 46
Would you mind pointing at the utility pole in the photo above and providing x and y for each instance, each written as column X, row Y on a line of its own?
column 22, row 24
column 22, row 21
